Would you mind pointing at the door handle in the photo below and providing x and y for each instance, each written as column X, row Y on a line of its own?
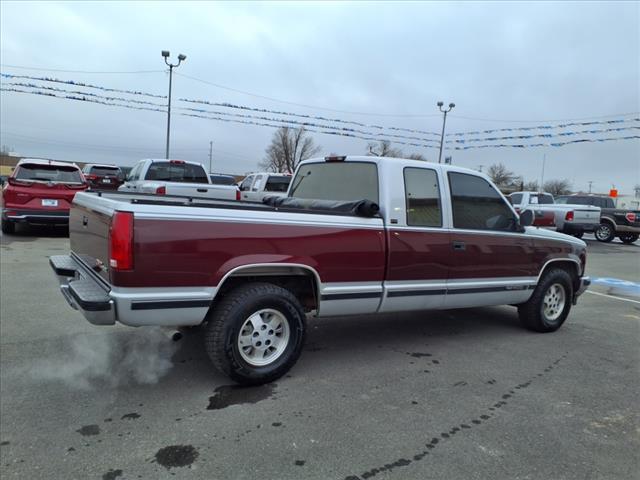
column 202, row 190
column 460, row 246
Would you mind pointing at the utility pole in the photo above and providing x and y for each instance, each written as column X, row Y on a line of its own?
column 590, row 183
column 480, row 168
column 544, row 159
column 444, row 122
column 181, row 58
column 210, row 156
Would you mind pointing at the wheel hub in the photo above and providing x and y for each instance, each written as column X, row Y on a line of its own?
column 263, row 337
column 554, row 302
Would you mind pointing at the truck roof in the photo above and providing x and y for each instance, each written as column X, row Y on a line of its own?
column 403, row 161
column 101, row 165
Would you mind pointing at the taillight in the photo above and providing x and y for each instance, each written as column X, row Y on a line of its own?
column 90, row 176
column 631, row 217
column 238, row 197
column 19, row 183
column 121, row 241
column 569, row 216
column 161, row 190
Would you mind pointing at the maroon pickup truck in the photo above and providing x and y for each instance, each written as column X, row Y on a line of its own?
column 354, row 236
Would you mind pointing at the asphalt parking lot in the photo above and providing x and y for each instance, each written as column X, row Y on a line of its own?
column 465, row 394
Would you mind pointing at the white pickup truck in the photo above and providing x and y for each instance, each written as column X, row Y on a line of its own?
column 567, row 218
column 256, row 186
column 175, row 177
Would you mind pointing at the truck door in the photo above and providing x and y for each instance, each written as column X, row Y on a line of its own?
column 131, row 182
column 491, row 262
column 419, row 247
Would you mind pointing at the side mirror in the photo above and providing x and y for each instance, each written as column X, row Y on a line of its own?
column 526, row 218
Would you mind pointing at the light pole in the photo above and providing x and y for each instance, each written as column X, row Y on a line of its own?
column 181, row 58
column 444, row 122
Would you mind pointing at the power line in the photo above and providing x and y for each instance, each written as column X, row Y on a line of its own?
column 77, row 71
column 555, row 120
column 315, row 107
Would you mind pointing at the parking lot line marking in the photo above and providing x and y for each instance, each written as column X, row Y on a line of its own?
column 611, row 296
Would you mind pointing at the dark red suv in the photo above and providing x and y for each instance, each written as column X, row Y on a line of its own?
column 103, row 177
column 40, row 192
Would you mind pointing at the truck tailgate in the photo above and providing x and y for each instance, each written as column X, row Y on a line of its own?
column 89, row 235
column 586, row 215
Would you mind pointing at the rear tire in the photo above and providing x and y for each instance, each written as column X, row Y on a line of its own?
column 628, row 237
column 605, row 232
column 549, row 306
column 8, row 226
column 255, row 334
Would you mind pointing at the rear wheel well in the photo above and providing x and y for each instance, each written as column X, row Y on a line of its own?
column 302, row 283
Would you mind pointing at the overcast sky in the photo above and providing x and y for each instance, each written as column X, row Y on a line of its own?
column 499, row 62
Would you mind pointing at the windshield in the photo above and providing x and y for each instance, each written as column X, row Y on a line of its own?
column 342, row 181
column 222, row 179
column 277, row 184
column 49, row 173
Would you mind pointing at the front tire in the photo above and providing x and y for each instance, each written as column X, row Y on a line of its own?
column 8, row 226
column 256, row 333
column 549, row 306
column 605, row 232
column 628, row 237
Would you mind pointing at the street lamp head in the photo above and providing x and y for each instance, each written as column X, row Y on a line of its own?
column 451, row 105
column 440, row 104
column 165, row 53
column 182, row 57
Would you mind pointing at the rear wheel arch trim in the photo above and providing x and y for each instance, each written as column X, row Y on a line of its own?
column 276, row 266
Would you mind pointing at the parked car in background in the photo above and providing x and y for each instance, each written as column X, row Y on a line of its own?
column 567, row 218
column 614, row 222
column 221, row 179
column 258, row 185
column 355, row 235
column 103, row 177
column 40, row 191
column 3, row 179
column 175, row 177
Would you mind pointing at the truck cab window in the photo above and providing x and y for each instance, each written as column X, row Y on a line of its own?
column 422, row 196
column 336, row 181
column 477, row 205
column 245, row 186
column 515, row 198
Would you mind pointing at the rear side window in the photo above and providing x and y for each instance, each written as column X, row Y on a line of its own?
column 515, row 198
column 176, row 172
column 341, row 181
column 277, row 184
column 49, row 173
column 422, row 196
column 134, row 174
column 477, row 205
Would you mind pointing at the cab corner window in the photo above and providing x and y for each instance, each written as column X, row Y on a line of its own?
column 477, row 205
column 422, row 197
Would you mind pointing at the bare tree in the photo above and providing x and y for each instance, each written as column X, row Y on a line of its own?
column 557, row 187
column 383, row 149
column 288, row 148
column 531, row 186
column 500, row 175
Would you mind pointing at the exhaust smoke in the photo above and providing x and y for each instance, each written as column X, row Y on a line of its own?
column 141, row 355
